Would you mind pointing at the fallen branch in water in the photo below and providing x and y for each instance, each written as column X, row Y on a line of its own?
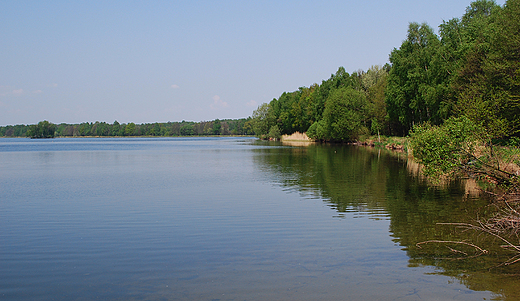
column 486, row 229
column 482, row 251
column 507, row 221
column 504, row 226
column 494, row 227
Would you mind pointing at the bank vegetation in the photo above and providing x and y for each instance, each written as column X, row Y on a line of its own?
column 455, row 95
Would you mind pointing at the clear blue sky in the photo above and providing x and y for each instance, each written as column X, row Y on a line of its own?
column 158, row 61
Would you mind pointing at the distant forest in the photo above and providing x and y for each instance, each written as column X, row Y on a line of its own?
column 46, row 129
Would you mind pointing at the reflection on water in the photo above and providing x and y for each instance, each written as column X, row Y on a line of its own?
column 231, row 219
column 381, row 184
column 348, row 179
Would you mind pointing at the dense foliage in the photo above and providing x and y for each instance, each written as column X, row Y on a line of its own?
column 482, row 94
column 46, row 129
column 339, row 109
column 43, row 129
column 462, row 147
column 470, row 68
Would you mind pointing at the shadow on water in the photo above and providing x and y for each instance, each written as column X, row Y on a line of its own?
column 381, row 184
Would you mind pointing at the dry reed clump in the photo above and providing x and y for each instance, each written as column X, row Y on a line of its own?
column 296, row 137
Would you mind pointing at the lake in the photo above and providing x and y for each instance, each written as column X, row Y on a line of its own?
column 232, row 219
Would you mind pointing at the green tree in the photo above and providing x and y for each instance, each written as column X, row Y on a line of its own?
column 415, row 90
column 260, row 120
column 340, row 79
column 43, row 129
column 489, row 83
column 216, row 127
column 247, row 128
column 224, row 130
column 503, row 65
column 114, row 129
column 281, row 111
column 187, row 130
column 274, row 132
column 84, row 129
column 374, row 83
column 130, row 129
column 342, row 118
column 155, row 130
column 302, row 109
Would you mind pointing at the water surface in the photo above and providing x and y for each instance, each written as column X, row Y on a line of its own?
column 224, row 219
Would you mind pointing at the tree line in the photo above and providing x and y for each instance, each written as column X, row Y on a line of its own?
column 470, row 68
column 45, row 129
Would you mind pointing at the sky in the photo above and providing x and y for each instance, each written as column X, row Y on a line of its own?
column 160, row 61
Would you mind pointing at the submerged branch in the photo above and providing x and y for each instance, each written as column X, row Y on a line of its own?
column 482, row 251
column 507, row 221
column 486, row 229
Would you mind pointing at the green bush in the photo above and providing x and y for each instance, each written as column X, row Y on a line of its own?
column 274, row 132
column 463, row 147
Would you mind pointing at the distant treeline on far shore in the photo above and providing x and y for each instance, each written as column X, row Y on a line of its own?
column 45, row 129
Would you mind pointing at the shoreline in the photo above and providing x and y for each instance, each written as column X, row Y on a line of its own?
column 58, row 137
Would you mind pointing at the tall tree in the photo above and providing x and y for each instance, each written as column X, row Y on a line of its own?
column 262, row 119
column 342, row 117
column 478, row 94
column 130, row 129
column 413, row 95
column 374, row 83
column 216, row 127
column 502, row 66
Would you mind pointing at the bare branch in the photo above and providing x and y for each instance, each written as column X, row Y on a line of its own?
column 482, row 251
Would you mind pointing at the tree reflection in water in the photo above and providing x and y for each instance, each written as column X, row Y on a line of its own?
column 381, row 184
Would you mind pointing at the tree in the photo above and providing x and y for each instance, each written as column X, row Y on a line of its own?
column 415, row 88
column 224, row 130
column 374, row 83
column 114, row 129
column 486, row 84
column 342, row 118
column 187, row 130
column 43, row 129
column 302, row 108
column 130, row 129
column 260, row 120
column 274, row 132
column 501, row 67
column 156, row 130
column 216, row 127
column 479, row 9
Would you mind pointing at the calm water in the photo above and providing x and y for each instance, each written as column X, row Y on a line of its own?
column 228, row 219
